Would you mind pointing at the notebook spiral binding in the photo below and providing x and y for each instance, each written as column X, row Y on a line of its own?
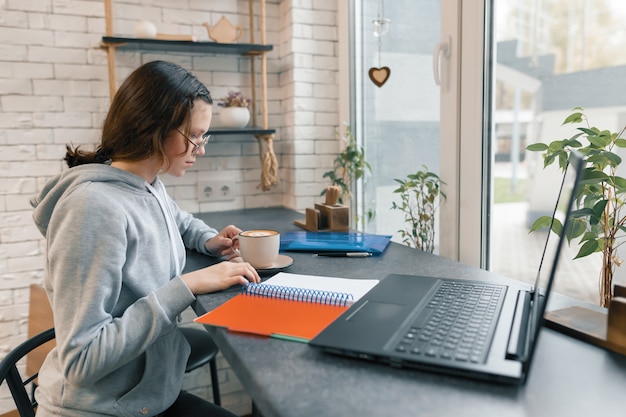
column 299, row 294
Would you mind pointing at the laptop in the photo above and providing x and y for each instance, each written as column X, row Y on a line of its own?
column 474, row 328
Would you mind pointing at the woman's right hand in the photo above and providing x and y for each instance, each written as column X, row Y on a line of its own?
column 220, row 276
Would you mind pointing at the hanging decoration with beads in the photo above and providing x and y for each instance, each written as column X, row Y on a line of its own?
column 379, row 75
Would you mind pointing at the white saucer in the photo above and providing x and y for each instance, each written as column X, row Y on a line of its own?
column 281, row 262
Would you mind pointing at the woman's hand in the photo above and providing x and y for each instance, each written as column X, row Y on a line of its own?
column 220, row 276
column 222, row 243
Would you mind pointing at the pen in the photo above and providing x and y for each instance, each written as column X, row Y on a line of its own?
column 345, row 254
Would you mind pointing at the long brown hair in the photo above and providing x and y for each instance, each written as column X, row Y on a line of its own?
column 155, row 99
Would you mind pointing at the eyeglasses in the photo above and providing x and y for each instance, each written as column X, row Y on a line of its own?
column 196, row 146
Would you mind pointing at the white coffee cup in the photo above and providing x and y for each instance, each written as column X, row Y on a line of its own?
column 258, row 247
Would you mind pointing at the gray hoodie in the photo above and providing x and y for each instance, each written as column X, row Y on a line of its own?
column 114, row 283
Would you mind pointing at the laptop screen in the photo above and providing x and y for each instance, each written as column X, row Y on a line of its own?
column 553, row 247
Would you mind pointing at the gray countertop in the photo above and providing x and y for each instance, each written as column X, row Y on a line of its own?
column 285, row 378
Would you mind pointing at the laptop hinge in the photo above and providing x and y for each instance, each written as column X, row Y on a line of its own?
column 518, row 338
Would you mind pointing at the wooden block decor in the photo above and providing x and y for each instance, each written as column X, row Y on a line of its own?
column 325, row 218
column 329, row 216
column 619, row 290
column 602, row 328
column 335, row 218
column 332, row 195
column 616, row 325
column 313, row 218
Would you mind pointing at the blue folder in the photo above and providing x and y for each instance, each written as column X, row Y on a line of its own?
column 320, row 242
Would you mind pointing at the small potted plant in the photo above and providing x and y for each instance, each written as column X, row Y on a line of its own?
column 600, row 220
column 348, row 167
column 420, row 194
column 235, row 111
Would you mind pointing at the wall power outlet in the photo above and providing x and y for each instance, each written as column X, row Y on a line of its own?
column 216, row 190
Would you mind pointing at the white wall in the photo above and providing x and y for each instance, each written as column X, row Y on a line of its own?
column 54, row 91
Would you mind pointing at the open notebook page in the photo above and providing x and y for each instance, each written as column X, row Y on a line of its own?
column 356, row 287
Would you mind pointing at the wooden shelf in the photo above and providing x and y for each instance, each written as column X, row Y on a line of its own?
column 242, row 131
column 158, row 45
column 253, row 51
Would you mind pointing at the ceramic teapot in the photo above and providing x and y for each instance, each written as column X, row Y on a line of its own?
column 223, row 31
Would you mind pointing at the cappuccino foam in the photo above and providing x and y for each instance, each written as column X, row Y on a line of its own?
column 259, row 233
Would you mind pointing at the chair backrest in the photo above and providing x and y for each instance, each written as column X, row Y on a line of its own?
column 39, row 319
column 17, row 384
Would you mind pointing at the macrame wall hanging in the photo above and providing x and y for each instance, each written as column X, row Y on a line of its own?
column 379, row 75
column 269, row 162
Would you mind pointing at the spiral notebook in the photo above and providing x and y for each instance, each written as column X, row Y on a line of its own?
column 289, row 306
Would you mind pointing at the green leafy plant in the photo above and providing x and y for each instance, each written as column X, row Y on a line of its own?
column 599, row 220
column 420, row 195
column 349, row 166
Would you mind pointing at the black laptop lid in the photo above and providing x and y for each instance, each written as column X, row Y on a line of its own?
column 545, row 279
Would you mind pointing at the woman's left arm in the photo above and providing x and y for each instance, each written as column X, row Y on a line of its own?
column 201, row 237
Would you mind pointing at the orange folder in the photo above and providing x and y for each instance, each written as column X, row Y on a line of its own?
column 287, row 319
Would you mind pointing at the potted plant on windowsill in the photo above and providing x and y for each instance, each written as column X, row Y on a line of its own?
column 235, row 111
column 420, row 195
column 600, row 220
column 348, row 167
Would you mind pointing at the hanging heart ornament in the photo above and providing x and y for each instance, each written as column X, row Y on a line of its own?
column 379, row 76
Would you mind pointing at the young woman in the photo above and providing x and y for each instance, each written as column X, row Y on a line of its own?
column 116, row 252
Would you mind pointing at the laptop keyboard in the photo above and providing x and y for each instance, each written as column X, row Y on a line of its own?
column 458, row 323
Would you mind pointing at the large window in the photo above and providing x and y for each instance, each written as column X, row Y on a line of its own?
column 552, row 56
column 398, row 122
column 519, row 68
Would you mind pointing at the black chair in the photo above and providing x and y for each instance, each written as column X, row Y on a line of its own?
column 24, row 400
column 203, row 350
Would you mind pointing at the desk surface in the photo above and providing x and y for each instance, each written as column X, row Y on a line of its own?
column 568, row 377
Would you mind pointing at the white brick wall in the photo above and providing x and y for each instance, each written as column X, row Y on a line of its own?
column 54, row 90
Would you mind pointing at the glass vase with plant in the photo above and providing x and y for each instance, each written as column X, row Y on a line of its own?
column 599, row 221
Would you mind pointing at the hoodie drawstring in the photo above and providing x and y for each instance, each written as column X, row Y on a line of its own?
column 178, row 247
